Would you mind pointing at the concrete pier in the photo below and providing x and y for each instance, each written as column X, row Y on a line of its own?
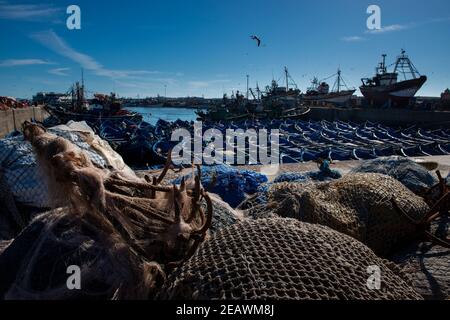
column 11, row 120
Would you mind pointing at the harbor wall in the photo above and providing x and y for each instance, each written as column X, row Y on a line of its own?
column 11, row 120
column 389, row 117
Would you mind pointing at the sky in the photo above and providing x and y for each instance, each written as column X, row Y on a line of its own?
column 203, row 47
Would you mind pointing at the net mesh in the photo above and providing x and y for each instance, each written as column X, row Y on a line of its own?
column 34, row 266
column 359, row 205
column 283, row 259
column 428, row 265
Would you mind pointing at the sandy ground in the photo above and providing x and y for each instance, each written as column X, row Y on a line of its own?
column 441, row 163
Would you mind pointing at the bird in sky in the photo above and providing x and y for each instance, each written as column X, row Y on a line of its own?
column 257, row 39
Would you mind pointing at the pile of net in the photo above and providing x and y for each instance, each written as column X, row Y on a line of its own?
column 12, row 220
column 34, row 266
column 427, row 265
column 413, row 175
column 428, row 268
column 307, row 176
column 20, row 175
column 364, row 206
column 123, row 233
column 284, row 259
column 261, row 196
column 232, row 185
column 223, row 214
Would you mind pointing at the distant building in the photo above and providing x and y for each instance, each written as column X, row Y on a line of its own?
column 51, row 98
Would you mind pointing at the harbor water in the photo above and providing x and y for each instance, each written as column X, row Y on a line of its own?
column 153, row 114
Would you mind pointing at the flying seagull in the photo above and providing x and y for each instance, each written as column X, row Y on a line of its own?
column 258, row 40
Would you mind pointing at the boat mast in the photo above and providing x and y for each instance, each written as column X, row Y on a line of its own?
column 287, row 78
column 403, row 63
column 339, row 80
column 258, row 91
column 381, row 69
column 247, row 85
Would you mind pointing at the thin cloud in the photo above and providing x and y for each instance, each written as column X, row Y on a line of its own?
column 52, row 41
column 206, row 84
column 390, row 28
column 396, row 27
column 27, row 12
column 23, row 62
column 198, row 84
column 59, row 72
column 353, row 39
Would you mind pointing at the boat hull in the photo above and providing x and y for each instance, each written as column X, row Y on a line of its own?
column 341, row 97
column 399, row 93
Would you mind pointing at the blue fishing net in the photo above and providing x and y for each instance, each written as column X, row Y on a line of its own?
column 411, row 174
column 324, row 176
column 232, row 185
column 291, row 177
column 307, row 176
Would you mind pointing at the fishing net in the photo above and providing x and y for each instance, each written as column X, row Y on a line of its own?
column 413, row 175
column 284, row 259
column 21, row 172
column 428, row 265
column 254, row 206
column 10, row 218
column 309, row 175
column 122, row 234
column 223, row 214
column 4, row 244
column 359, row 205
column 34, row 265
column 232, row 185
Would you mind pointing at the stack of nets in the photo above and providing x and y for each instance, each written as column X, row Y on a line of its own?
column 413, row 175
column 364, row 206
column 284, row 259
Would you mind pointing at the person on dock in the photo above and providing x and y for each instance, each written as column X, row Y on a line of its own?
column 325, row 170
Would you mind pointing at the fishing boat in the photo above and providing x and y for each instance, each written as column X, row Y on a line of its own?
column 386, row 88
column 320, row 91
column 286, row 97
column 100, row 108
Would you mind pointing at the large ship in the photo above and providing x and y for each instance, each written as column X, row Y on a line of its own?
column 387, row 89
column 320, row 91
